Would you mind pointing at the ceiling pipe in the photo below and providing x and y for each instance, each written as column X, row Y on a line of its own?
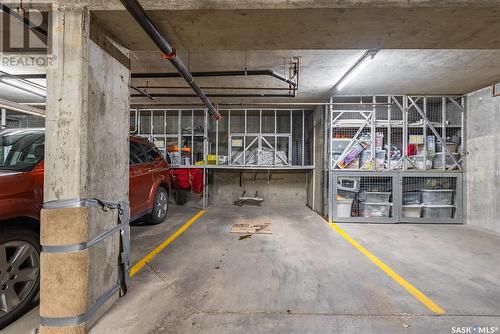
column 25, row 109
column 213, row 95
column 240, row 73
column 161, row 104
column 214, row 87
column 269, row 104
column 135, row 9
column 26, row 76
column 143, row 93
column 161, row 75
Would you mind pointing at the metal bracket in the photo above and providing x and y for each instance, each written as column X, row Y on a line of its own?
column 170, row 55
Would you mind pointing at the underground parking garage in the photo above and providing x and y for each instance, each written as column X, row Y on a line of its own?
column 241, row 167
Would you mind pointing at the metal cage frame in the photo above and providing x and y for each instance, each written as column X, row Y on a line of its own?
column 248, row 138
column 365, row 119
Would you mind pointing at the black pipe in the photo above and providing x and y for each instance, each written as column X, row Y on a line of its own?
column 213, row 87
column 135, row 9
column 26, row 76
column 213, row 95
column 142, row 93
column 215, row 74
column 156, row 75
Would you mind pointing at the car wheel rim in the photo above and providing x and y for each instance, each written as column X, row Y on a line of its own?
column 19, row 270
column 161, row 205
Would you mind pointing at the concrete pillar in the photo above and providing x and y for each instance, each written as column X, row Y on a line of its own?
column 482, row 171
column 86, row 156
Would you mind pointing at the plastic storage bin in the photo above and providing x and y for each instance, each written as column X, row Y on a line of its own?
column 340, row 144
column 437, row 211
column 438, row 160
column 376, row 197
column 375, row 210
column 412, row 211
column 437, row 196
column 420, row 163
column 348, row 184
column 344, row 207
column 379, row 159
column 411, row 197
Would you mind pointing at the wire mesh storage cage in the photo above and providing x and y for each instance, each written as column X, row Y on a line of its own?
column 396, row 133
column 431, row 199
column 264, row 138
column 362, row 197
column 15, row 119
column 415, row 141
column 392, row 197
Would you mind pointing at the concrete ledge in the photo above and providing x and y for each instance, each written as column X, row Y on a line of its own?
column 64, row 226
column 64, row 284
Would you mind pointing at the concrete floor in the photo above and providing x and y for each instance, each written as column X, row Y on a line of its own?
column 304, row 278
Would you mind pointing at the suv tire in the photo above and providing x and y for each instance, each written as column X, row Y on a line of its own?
column 160, row 207
column 19, row 272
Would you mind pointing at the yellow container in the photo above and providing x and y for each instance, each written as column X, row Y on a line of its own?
column 212, row 159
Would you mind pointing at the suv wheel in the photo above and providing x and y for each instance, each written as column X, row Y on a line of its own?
column 160, row 207
column 19, row 272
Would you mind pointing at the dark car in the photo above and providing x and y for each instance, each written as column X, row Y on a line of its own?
column 21, row 200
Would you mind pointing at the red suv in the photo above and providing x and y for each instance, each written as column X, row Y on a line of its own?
column 21, row 198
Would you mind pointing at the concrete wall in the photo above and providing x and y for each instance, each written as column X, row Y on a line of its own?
column 483, row 162
column 285, row 187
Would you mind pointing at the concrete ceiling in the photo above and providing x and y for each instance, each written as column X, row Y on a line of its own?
column 428, row 47
column 456, row 27
column 279, row 4
column 390, row 72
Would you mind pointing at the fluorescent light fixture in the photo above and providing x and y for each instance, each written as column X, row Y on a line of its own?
column 361, row 63
column 14, row 106
column 24, row 85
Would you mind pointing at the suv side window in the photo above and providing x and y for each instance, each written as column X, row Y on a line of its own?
column 137, row 153
column 153, row 154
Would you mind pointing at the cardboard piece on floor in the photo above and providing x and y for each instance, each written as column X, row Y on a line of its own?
column 251, row 228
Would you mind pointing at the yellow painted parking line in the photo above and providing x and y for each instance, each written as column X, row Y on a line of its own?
column 391, row 273
column 150, row 256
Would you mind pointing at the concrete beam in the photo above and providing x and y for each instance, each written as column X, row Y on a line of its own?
column 86, row 156
column 284, row 4
column 457, row 27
